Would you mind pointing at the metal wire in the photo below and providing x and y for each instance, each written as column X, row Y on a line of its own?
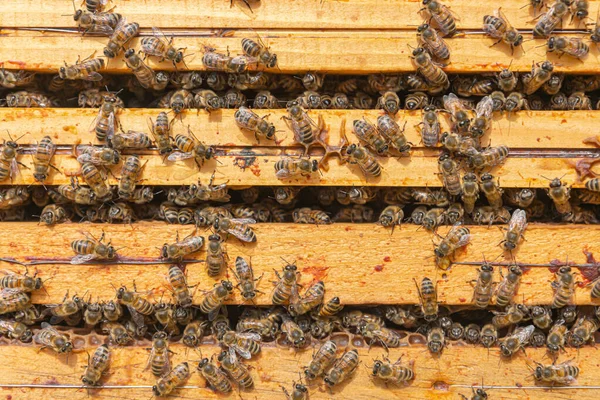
column 99, row 262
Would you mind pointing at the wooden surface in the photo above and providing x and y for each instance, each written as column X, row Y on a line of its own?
column 301, row 51
column 417, row 170
column 444, row 377
column 358, row 14
column 369, row 273
column 539, row 130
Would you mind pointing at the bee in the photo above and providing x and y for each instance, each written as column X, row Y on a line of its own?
column 96, row 367
column 29, row 99
column 50, row 337
column 470, row 191
column 180, row 287
column 306, row 215
column 394, row 373
column 221, row 62
column 313, row 297
column 428, row 298
column 129, row 176
column 459, row 112
column 498, row 27
column 293, row 333
column 137, row 305
column 216, row 255
column 245, row 276
column 86, row 70
column 507, row 80
column 68, row 310
column 550, row 20
column 264, row 99
column 389, row 102
column 370, row 135
column 122, row 34
column 96, row 155
column 191, row 147
column 175, row 377
column 391, row 216
column 512, row 343
column 105, row 122
column 213, row 300
column 245, row 344
column 158, row 360
column 455, row 213
column 472, row 333
column 541, row 316
column 499, row 100
column 321, row 360
column 520, row 197
column 97, row 22
column 560, row 195
column 434, row 218
column 214, row 376
column 238, row 227
column 44, row 151
column 306, row 132
column 492, row 191
column 582, row 331
column 157, row 45
column 287, row 167
column 430, row 40
column 92, row 249
column 483, row 117
column 261, row 53
column 432, row 73
column 478, row 394
column 391, row 130
column 92, row 314
column 513, row 315
column 147, row 78
column 556, row 337
column 356, row 154
column 516, row 227
column 23, row 283
column 16, row 330
column 536, row 102
column 400, row 316
column 250, row 121
column 456, row 331
column 507, row 288
column 489, row 335
column 563, row 373
column 178, row 250
column 8, row 159
column 112, row 311
column 130, row 140
column 459, row 144
column 430, row 130
column 193, row 333
column 450, row 174
column 442, row 16
column 286, row 285
column 416, row 101
column 516, row 102
column 236, row 370
column 538, row 76
column 342, row 368
column 97, row 181
column 436, row 340
column 179, row 100
column 233, row 99
column 553, row 85
column 458, row 236
column 484, row 286
column 374, row 332
column 564, row 287
column 579, row 101
column 161, row 132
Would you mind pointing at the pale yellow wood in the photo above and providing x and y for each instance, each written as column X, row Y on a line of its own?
column 417, row 170
column 444, row 377
column 302, row 51
column 360, row 263
column 527, row 129
column 357, row 14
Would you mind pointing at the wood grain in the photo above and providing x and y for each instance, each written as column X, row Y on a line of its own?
column 297, row 52
column 538, row 130
column 454, row 372
column 275, row 14
column 417, row 170
column 378, row 271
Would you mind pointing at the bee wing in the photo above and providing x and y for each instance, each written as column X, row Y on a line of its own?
column 137, row 318
column 249, row 335
column 501, row 15
column 111, row 126
column 519, row 217
column 242, row 352
column 232, row 355
column 178, row 155
column 159, row 35
column 283, row 173
column 485, row 107
column 525, row 333
column 14, row 168
column 244, row 220
column 82, row 258
column 95, row 121
column 151, row 51
column 9, row 291
column 93, row 77
column 492, row 31
column 101, row 29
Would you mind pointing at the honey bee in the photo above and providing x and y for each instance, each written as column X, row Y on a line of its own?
column 442, row 16
column 507, row 288
column 178, row 283
column 434, row 218
column 96, row 22
column 512, row 343
column 287, row 167
column 374, row 332
column 436, row 340
column 215, row 255
column 92, row 314
column 264, row 99
column 356, row 154
column 137, row 305
column 158, row 360
column 389, row 102
column 483, row 114
column 176, row 251
column 430, row 40
column 370, row 135
column 560, row 195
column 96, row 179
column 250, row 121
column 238, row 227
column 23, row 283
column 53, row 339
column 430, row 130
column 286, row 285
column 221, row 62
column 245, row 344
column 147, row 78
column 499, row 100
column 306, row 132
column 394, row 373
column 516, row 227
column 178, row 100
column 161, row 132
column 16, row 330
column 520, row 197
column 458, row 236
column 556, row 338
column 479, row 394
column 96, row 155
column 214, row 376
column 342, row 368
column 538, row 76
column 293, row 333
column 191, row 147
column 554, row 84
column 564, row 287
column 122, row 34
column 193, row 333
column 233, row 99
column 458, row 111
column 238, row 372
column 120, row 212
column 450, row 174
column 513, row 315
column 313, row 298
column 489, row 335
column 400, row 316
column 157, row 45
column 541, row 316
column 516, row 102
column 129, row 176
column 112, row 311
column 498, row 27
column 416, row 101
column 260, row 52
column 29, row 99
column 507, row 80
column 8, row 159
column 245, row 276
column 213, row 300
column 550, row 20
column 432, row 73
column 321, row 360
column 492, row 191
column 428, row 298
column 175, row 377
column 579, row 101
column 484, row 286
column 582, row 331
column 96, row 367
column 92, row 249
column 105, row 122
column 563, row 373
column 306, row 215
column 455, row 213
column 84, row 70
column 391, row 216
column 391, row 130
column 470, row 192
